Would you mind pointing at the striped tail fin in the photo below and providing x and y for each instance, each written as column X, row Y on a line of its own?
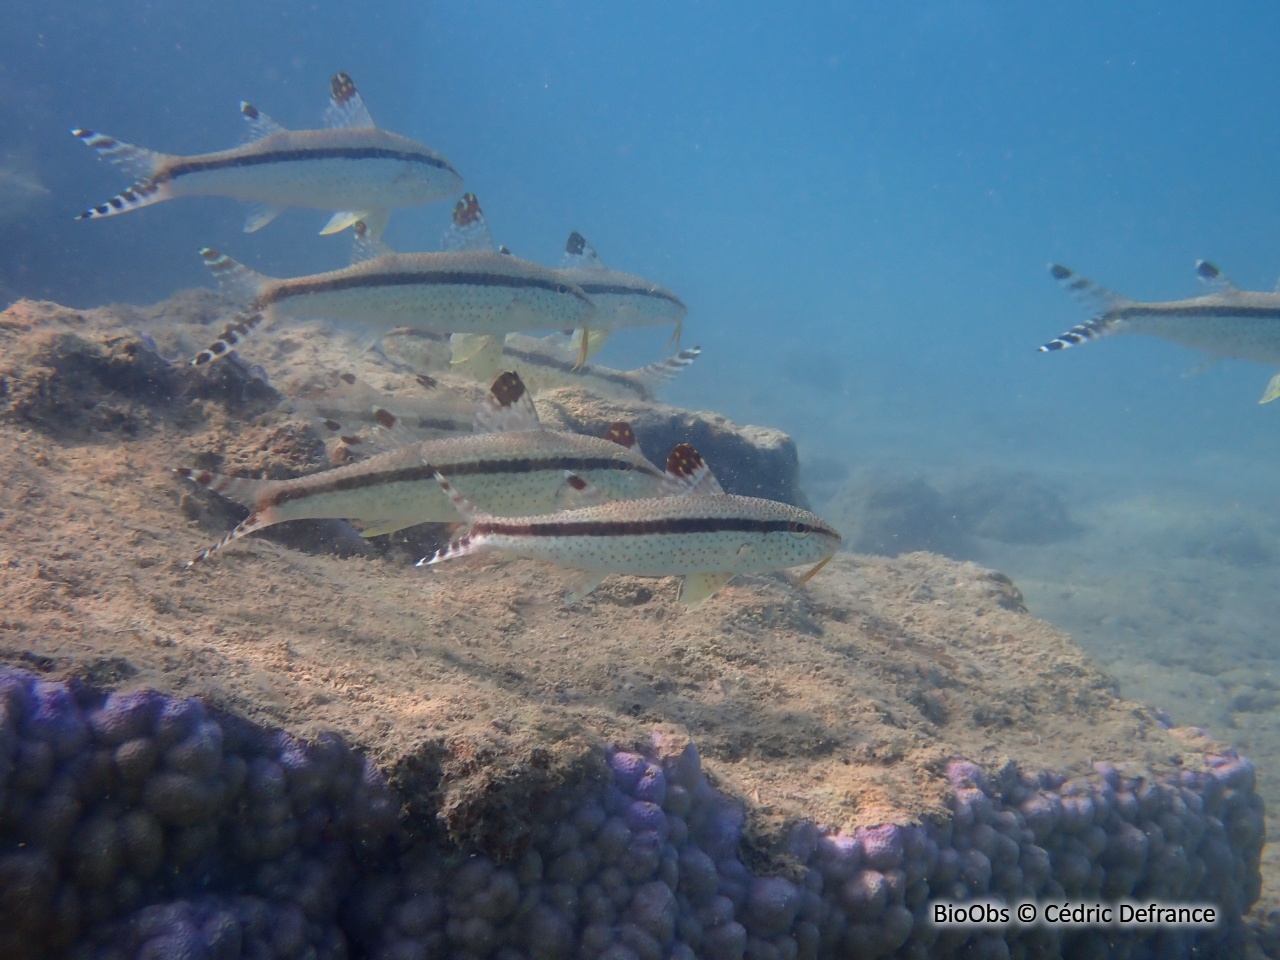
column 240, row 283
column 471, row 542
column 250, row 493
column 1100, row 301
column 648, row 377
column 138, row 161
column 237, row 331
column 235, row 279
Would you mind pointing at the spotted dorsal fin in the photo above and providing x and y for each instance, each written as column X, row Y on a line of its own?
column 346, row 106
column 508, row 407
column 365, row 245
column 260, row 125
column 578, row 492
column 580, row 255
column 620, row 432
column 1213, row 278
column 468, row 231
column 688, row 474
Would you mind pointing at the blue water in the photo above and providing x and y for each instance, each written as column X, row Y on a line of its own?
column 856, row 201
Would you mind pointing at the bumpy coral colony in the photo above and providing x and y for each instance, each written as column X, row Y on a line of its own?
column 139, row 825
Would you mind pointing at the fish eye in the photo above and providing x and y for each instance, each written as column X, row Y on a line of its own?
column 799, row 528
column 561, row 288
column 622, row 463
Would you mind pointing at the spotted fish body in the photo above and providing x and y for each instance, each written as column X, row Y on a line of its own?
column 1227, row 322
column 511, row 472
column 467, row 292
column 548, row 362
column 353, row 167
column 621, row 299
column 707, row 538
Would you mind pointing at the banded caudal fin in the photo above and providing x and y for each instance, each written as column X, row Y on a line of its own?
column 466, row 544
column 648, row 377
column 1098, row 300
column 235, row 279
column 235, row 333
column 138, row 162
column 250, row 493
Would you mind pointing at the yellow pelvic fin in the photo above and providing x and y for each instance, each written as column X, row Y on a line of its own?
column 1272, row 391
column 698, row 586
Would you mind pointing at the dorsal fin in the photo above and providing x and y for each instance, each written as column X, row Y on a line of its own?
column 688, row 474
column 1096, row 299
column 365, row 246
column 260, row 125
column 1213, row 278
column 507, row 407
column 578, row 492
column 346, row 107
column 469, row 231
column 620, row 432
column 580, row 255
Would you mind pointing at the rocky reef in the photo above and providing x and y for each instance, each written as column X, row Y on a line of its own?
column 302, row 751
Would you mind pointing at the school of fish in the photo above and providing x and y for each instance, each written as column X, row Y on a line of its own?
column 595, row 506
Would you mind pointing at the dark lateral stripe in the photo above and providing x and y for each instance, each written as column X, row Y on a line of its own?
column 633, row 528
column 567, row 366
column 202, row 165
column 304, row 286
column 622, row 290
column 426, row 473
column 1225, row 311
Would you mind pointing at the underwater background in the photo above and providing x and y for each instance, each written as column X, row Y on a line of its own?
column 857, row 202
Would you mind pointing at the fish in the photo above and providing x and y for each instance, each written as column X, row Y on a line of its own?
column 696, row 531
column 20, row 188
column 621, row 299
column 345, row 409
column 546, row 363
column 352, row 166
column 517, row 467
column 1226, row 322
column 468, row 291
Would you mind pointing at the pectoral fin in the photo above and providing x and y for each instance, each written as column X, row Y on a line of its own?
column 697, row 587
column 259, row 216
column 375, row 221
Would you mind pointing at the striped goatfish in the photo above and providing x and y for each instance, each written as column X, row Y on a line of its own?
column 697, row 531
column 546, row 363
column 353, row 167
column 1227, row 322
column 518, row 468
column 469, row 291
column 621, row 299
